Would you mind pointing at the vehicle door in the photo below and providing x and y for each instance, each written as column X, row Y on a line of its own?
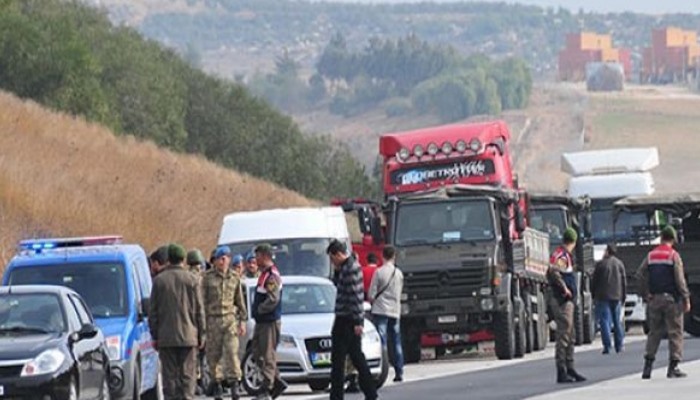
column 142, row 290
column 88, row 351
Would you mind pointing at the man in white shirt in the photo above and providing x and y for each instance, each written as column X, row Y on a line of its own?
column 385, row 296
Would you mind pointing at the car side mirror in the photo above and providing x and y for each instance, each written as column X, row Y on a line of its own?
column 87, row 331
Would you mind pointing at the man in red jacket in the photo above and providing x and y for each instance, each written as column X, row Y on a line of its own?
column 368, row 272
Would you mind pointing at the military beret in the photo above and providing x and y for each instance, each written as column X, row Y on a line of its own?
column 264, row 248
column 668, row 233
column 237, row 259
column 194, row 257
column 250, row 256
column 176, row 253
column 222, row 251
column 570, row 235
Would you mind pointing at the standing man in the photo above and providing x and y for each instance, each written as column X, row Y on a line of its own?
column 237, row 265
column 562, row 283
column 158, row 260
column 346, row 334
column 368, row 272
column 662, row 284
column 195, row 262
column 609, row 289
column 176, row 322
column 226, row 318
column 267, row 311
column 385, row 296
column 251, row 266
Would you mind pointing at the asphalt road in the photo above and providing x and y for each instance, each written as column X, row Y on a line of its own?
column 531, row 378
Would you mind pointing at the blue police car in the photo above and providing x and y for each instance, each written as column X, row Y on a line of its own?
column 115, row 282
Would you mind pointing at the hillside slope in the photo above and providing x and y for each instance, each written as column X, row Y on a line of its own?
column 62, row 176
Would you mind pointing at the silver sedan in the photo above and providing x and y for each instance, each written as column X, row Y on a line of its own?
column 304, row 351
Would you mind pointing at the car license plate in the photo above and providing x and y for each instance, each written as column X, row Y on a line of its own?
column 321, row 359
column 447, row 319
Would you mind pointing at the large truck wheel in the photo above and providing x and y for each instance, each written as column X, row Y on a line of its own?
column 692, row 319
column 588, row 327
column 520, row 332
column 504, row 333
column 578, row 322
column 410, row 338
column 540, row 327
column 529, row 321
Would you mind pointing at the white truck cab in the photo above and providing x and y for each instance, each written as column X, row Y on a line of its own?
column 606, row 176
column 299, row 236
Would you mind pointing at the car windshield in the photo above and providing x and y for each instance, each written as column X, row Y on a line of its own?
column 444, row 222
column 26, row 314
column 602, row 225
column 295, row 256
column 552, row 221
column 102, row 285
column 304, row 298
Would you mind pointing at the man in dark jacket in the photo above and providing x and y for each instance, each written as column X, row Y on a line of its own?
column 267, row 312
column 346, row 334
column 562, row 283
column 609, row 288
column 176, row 322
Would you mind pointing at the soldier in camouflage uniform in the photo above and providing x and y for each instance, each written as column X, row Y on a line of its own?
column 662, row 283
column 196, row 264
column 226, row 313
column 562, row 286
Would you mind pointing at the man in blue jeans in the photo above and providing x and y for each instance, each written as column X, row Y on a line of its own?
column 385, row 296
column 609, row 289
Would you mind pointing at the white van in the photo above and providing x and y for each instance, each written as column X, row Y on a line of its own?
column 299, row 236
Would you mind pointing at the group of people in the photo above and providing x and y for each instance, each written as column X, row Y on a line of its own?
column 661, row 283
column 199, row 308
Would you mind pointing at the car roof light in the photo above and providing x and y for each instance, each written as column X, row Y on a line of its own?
column 475, row 145
column 38, row 245
column 461, row 146
column 432, row 149
column 403, row 154
column 418, row 150
column 447, row 148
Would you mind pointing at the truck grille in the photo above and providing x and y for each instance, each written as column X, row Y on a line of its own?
column 447, row 283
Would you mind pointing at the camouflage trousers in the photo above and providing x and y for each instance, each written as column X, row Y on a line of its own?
column 564, row 317
column 665, row 314
column 222, row 348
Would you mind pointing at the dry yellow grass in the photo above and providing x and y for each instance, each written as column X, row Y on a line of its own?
column 62, row 176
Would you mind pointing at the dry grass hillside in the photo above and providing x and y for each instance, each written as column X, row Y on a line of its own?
column 62, row 176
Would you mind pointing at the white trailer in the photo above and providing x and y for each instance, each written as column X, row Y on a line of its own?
column 606, row 176
column 299, row 236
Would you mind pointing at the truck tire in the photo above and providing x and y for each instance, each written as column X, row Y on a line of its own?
column 410, row 342
column 692, row 319
column 520, row 332
column 504, row 333
column 540, row 328
column 578, row 322
column 529, row 322
column 588, row 327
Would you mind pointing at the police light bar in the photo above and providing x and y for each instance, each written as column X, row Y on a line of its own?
column 39, row 245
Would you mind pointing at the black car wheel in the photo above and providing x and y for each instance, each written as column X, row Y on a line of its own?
column 252, row 377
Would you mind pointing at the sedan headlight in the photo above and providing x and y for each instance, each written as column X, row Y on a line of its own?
column 47, row 362
column 114, row 347
column 287, row 342
column 371, row 336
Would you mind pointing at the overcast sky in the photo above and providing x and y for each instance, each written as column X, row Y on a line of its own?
column 641, row 6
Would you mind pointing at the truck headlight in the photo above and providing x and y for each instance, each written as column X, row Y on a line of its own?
column 287, row 342
column 114, row 347
column 487, row 304
column 47, row 362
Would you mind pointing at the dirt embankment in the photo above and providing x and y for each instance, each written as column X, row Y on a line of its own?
column 62, row 176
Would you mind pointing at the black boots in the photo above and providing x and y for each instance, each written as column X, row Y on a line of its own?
column 217, row 391
column 278, row 387
column 563, row 376
column 673, row 371
column 235, row 387
column 577, row 377
column 648, row 366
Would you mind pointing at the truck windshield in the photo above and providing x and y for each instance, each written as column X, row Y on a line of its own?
column 444, row 222
column 603, row 225
column 295, row 256
column 102, row 285
column 552, row 221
